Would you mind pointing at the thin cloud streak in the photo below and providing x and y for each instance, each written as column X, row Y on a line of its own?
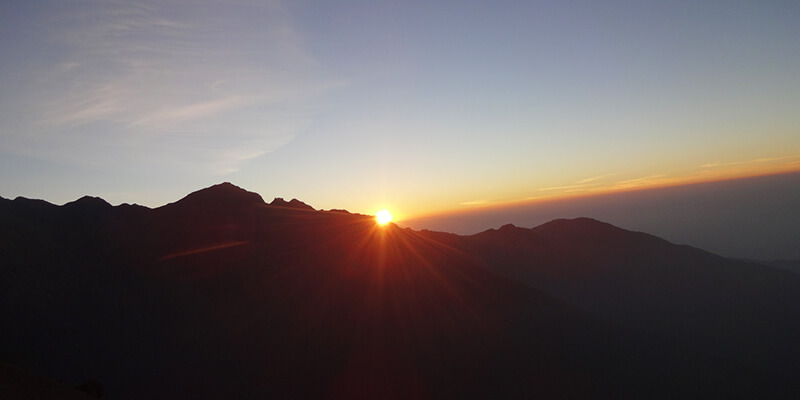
column 195, row 111
column 594, row 178
column 476, row 203
column 641, row 181
column 585, row 184
column 598, row 185
column 754, row 161
column 570, row 187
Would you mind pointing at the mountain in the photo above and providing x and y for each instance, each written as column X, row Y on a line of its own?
column 221, row 295
column 293, row 203
column 789, row 265
column 19, row 384
column 222, row 196
column 736, row 310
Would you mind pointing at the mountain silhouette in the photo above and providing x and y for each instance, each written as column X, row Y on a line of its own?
column 221, row 196
column 88, row 203
column 293, row 203
column 697, row 298
column 19, row 384
column 221, row 295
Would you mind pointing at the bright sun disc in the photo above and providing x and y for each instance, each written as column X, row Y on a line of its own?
column 383, row 217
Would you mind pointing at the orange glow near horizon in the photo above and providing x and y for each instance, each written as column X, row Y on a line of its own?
column 617, row 183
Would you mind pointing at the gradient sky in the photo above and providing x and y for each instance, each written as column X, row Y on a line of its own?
column 755, row 218
column 417, row 106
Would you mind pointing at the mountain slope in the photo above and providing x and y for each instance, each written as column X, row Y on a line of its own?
column 222, row 295
column 732, row 309
column 193, row 300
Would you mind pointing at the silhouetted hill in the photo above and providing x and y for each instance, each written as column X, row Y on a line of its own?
column 220, row 295
column 18, row 384
column 223, row 195
column 89, row 203
column 732, row 309
column 293, row 203
column 788, row 265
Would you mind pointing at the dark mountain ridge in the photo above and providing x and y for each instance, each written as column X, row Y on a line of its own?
column 223, row 295
column 737, row 310
column 220, row 196
column 293, row 203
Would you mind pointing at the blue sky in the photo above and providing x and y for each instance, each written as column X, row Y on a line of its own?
column 421, row 107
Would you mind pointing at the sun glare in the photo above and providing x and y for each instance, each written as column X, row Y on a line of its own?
column 383, row 217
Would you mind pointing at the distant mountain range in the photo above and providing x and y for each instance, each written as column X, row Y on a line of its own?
column 222, row 295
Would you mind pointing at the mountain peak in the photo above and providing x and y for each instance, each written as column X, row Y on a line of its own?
column 587, row 227
column 88, row 202
column 577, row 226
column 224, row 194
column 293, row 203
column 577, row 222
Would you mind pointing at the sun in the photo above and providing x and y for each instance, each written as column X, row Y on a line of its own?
column 383, row 217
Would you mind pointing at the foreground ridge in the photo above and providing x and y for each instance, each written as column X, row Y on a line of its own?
column 220, row 294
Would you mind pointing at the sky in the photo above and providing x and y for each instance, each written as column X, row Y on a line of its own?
column 755, row 218
column 420, row 107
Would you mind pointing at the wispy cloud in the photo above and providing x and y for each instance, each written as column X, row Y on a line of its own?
column 765, row 160
column 640, row 182
column 235, row 72
column 581, row 185
column 594, row 178
column 476, row 203
column 600, row 184
column 565, row 187
column 189, row 112
column 101, row 101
